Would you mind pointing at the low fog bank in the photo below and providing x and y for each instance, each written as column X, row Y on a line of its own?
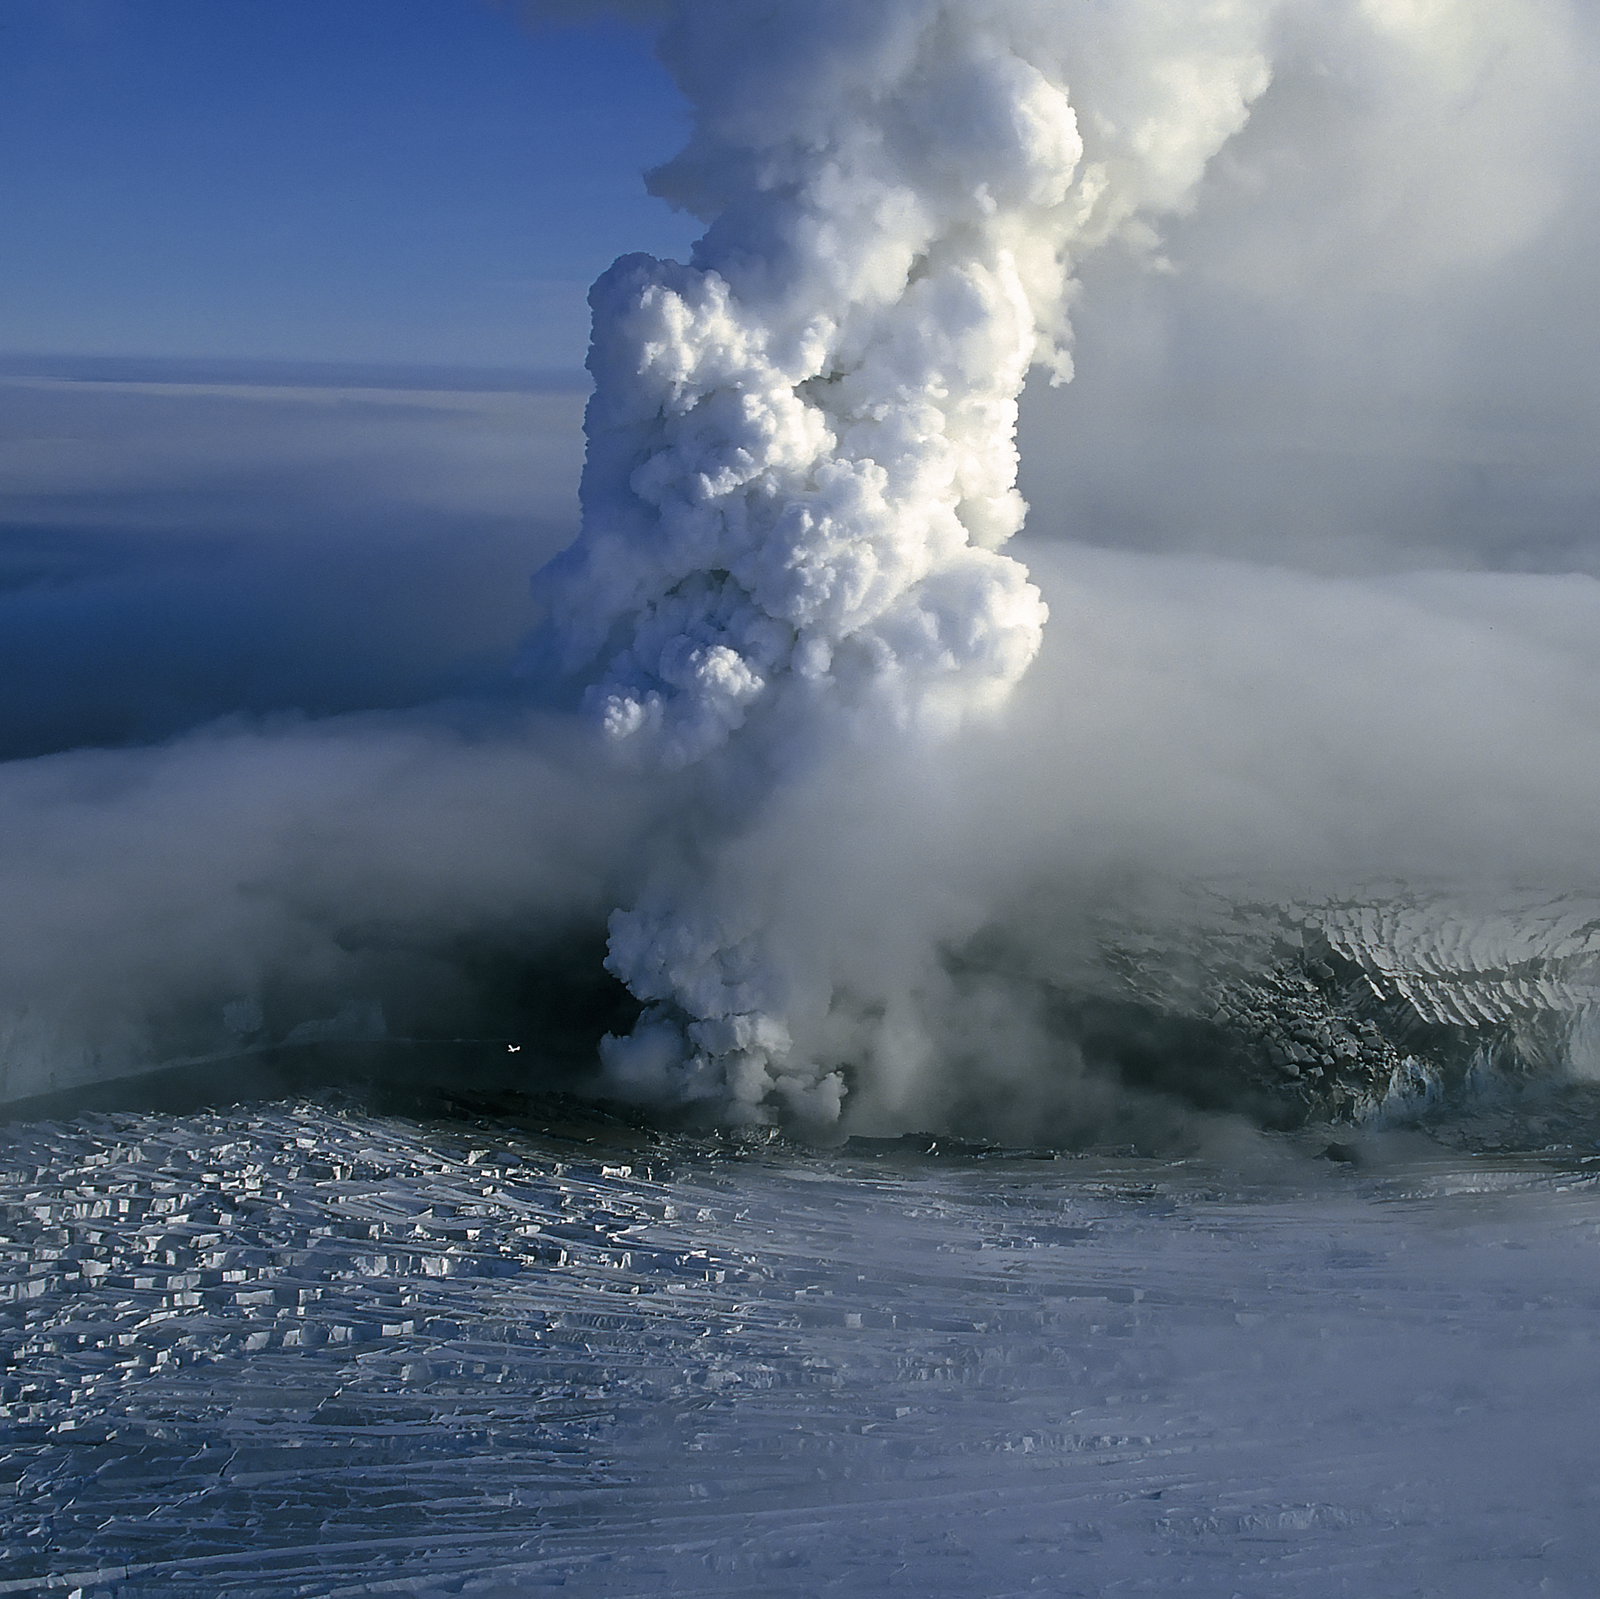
column 355, row 879
column 1203, row 716
column 210, row 575
column 441, row 873
column 1191, row 722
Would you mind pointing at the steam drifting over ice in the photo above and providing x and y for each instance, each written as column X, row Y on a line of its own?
column 793, row 587
column 802, row 460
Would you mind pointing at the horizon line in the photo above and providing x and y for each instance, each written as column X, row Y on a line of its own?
column 289, row 371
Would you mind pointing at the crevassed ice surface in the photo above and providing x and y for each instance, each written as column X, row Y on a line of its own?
column 308, row 1351
column 1355, row 1004
column 1452, row 960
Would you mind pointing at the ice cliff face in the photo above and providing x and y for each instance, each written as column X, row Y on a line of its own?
column 1343, row 1008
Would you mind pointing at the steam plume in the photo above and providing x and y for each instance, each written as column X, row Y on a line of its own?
column 802, row 458
column 792, row 589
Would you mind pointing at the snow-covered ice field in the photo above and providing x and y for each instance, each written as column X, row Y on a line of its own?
column 306, row 1349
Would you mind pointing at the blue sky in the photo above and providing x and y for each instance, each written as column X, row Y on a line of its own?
column 356, row 180
column 431, row 182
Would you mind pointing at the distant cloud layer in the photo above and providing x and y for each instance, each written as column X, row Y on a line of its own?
column 176, row 552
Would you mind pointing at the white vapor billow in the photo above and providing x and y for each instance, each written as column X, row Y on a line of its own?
column 802, row 459
column 802, row 469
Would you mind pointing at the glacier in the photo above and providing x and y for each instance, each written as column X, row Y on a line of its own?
column 312, row 1348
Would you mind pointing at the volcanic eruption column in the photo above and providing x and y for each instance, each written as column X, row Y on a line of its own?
column 801, row 459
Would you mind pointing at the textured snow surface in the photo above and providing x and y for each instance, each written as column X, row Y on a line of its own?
column 309, row 1351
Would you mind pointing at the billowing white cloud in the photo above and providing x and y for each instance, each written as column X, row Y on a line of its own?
column 802, row 460
column 843, row 751
column 802, row 457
